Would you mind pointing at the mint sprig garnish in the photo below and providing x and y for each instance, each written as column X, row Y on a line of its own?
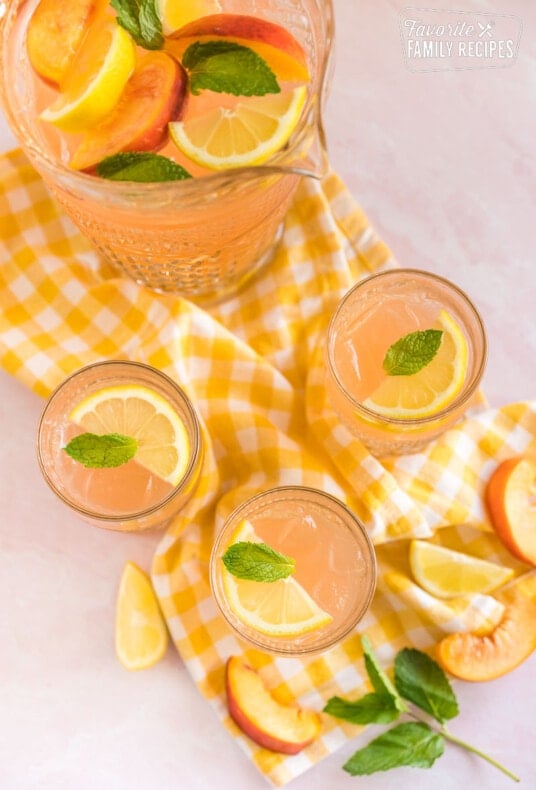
column 140, row 19
column 412, row 352
column 257, row 562
column 227, row 67
column 100, row 451
column 142, row 166
column 421, row 681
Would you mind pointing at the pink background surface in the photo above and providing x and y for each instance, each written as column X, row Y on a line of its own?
column 443, row 163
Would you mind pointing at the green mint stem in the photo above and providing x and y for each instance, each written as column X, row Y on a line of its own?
column 448, row 735
column 445, row 732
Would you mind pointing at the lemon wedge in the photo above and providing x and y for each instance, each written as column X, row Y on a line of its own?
column 95, row 80
column 280, row 608
column 137, row 411
column 174, row 15
column 141, row 636
column 433, row 387
column 247, row 134
column 446, row 573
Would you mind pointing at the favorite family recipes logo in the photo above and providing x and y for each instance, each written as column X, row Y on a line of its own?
column 437, row 40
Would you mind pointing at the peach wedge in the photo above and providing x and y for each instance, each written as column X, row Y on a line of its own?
column 279, row 48
column 282, row 728
column 511, row 500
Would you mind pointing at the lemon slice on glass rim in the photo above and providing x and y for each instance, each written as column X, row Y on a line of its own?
column 247, row 134
column 432, row 388
column 143, row 414
column 280, row 608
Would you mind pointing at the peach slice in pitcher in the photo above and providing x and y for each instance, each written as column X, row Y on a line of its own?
column 55, row 32
column 278, row 47
column 153, row 96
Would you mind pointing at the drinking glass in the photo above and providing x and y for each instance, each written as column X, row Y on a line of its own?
column 334, row 563
column 128, row 497
column 374, row 314
column 201, row 237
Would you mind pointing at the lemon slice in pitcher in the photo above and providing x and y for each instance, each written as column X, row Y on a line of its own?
column 247, row 134
column 434, row 386
column 139, row 412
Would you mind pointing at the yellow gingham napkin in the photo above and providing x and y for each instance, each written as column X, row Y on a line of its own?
column 252, row 368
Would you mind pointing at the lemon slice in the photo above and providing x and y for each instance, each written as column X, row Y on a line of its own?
column 248, row 134
column 95, row 80
column 280, row 608
column 141, row 636
column 431, row 389
column 139, row 412
column 174, row 15
column 446, row 573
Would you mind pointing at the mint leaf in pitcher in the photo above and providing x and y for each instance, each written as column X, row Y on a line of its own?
column 101, row 451
column 412, row 352
column 140, row 18
column 257, row 562
column 141, row 166
column 227, row 67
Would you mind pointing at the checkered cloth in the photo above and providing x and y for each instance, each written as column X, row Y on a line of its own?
column 251, row 366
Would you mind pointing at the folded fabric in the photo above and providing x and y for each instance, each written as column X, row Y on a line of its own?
column 252, row 367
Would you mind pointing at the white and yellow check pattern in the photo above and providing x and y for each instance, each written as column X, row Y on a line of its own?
column 251, row 368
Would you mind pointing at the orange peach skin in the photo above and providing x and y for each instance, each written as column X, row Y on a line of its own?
column 153, row 96
column 282, row 728
column 273, row 43
column 54, row 33
column 510, row 499
column 479, row 658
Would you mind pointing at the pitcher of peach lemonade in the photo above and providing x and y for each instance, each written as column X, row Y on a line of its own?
column 173, row 133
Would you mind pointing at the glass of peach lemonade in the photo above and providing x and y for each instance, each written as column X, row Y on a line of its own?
column 172, row 132
column 293, row 570
column 405, row 353
column 119, row 443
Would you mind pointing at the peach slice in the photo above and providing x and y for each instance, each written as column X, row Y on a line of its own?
column 478, row 658
column 54, row 33
column 153, row 96
column 511, row 500
column 272, row 725
column 273, row 43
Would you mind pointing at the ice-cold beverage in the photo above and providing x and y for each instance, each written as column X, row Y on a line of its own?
column 405, row 353
column 119, row 443
column 333, row 576
column 201, row 235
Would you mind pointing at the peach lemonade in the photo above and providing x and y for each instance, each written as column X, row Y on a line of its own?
column 405, row 352
column 293, row 570
column 119, row 443
column 173, row 133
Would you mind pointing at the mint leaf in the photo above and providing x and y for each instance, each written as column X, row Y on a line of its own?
column 140, row 18
column 412, row 352
column 422, row 681
column 257, row 562
column 380, row 682
column 142, row 166
column 98, row 452
column 226, row 67
column 412, row 743
column 370, row 709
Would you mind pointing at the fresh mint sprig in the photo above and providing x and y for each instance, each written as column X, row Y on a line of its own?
column 227, row 67
column 101, row 451
column 412, row 352
column 421, row 681
column 140, row 18
column 257, row 562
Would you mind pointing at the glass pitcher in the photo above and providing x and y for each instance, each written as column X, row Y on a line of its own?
column 201, row 237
